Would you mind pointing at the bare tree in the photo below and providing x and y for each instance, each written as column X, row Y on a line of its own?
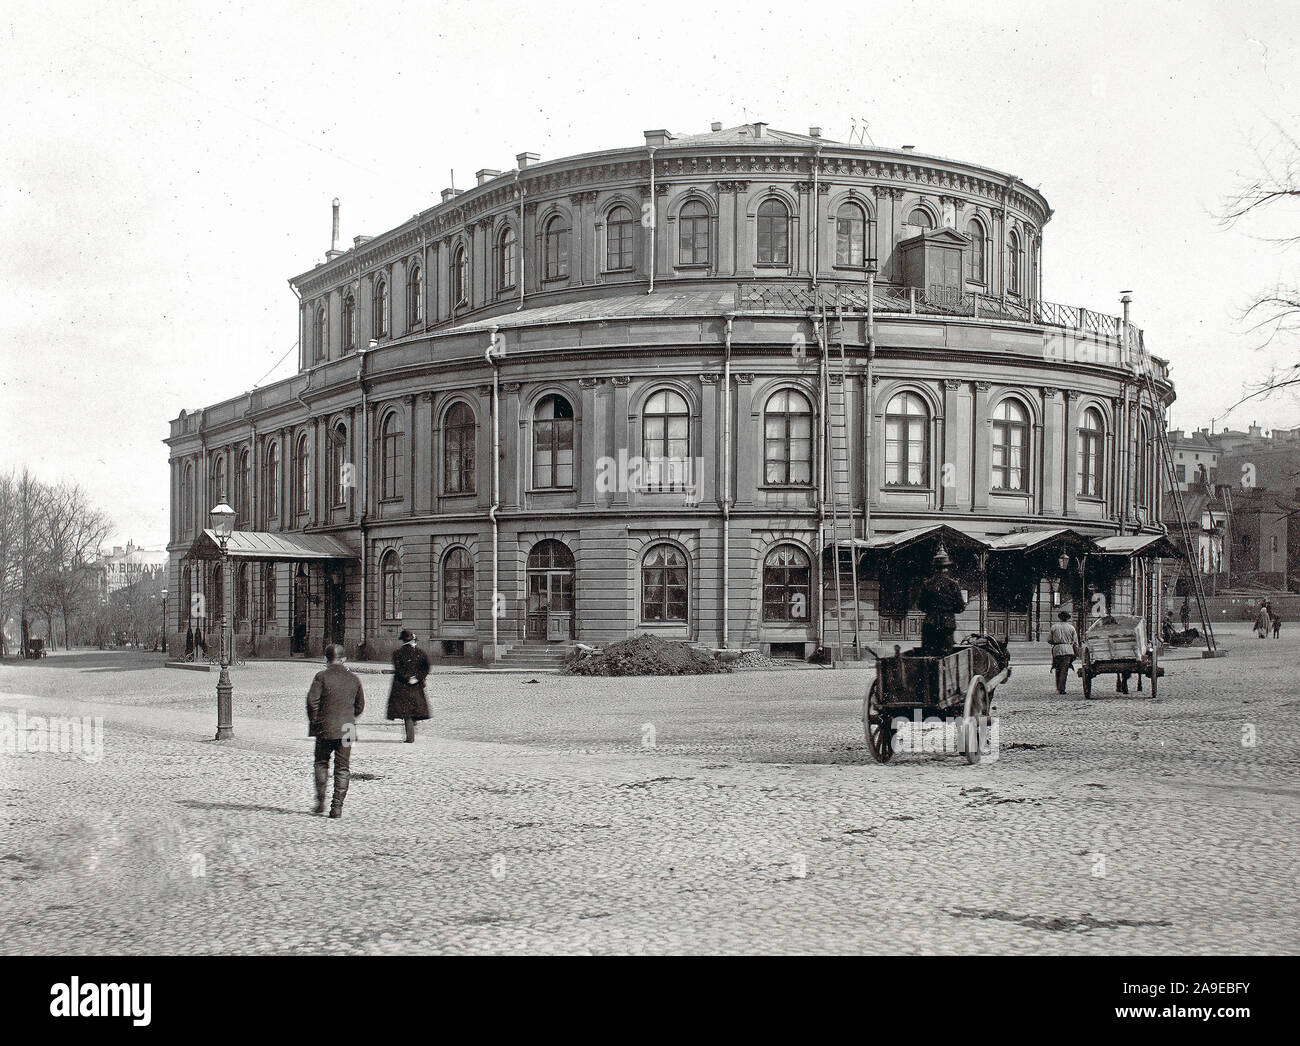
column 72, row 531
column 10, row 544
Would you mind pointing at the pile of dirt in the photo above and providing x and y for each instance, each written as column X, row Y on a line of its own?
column 645, row 656
column 753, row 660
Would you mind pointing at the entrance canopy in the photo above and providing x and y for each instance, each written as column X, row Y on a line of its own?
column 1050, row 539
column 1144, row 546
column 888, row 544
column 263, row 547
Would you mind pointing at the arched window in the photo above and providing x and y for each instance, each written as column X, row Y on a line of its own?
column 666, row 441
column 414, row 295
column 507, row 258
column 271, row 480
column 460, row 276
column 242, row 502
column 390, row 463
column 920, row 217
column 390, row 575
column 379, row 322
column 458, row 451
column 187, row 500
column 553, row 443
column 907, row 450
column 320, row 339
column 1010, row 446
column 773, row 233
column 1143, row 464
column 663, row 584
column 976, row 258
column 349, row 321
column 241, row 593
column 1013, row 262
column 268, row 591
column 219, row 491
column 1088, row 456
column 184, row 604
column 457, row 586
column 787, row 439
column 619, row 228
column 850, row 235
column 555, row 248
column 335, row 456
column 301, row 476
column 787, row 574
column 694, row 235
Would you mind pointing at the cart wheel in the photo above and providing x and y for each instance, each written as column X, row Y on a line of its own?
column 880, row 738
column 1086, row 671
column 977, row 708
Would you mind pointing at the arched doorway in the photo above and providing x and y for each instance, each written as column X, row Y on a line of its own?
column 550, row 591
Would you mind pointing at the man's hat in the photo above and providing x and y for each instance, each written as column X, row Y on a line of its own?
column 941, row 558
column 406, row 635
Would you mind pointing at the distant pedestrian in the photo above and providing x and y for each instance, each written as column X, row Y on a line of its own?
column 1262, row 620
column 333, row 704
column 1185, row 613
column 406, row 699
column 1277, row 625
column 1064, row 638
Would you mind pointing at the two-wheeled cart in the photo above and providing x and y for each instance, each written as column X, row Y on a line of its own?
column 1119, row 645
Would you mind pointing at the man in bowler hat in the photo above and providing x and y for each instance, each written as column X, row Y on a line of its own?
column 406, row 699
column 334, row 702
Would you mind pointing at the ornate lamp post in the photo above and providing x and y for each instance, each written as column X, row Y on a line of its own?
column 164, row 621
column 223, row 524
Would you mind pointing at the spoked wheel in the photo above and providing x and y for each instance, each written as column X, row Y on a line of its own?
column 977, row 709
column 880, row 738
column 1087, row 675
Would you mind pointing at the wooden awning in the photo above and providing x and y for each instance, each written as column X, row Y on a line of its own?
column 1143, row 546
column 264, row 547
column 1045, row 539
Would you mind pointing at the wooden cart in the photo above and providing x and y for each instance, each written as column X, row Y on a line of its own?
column 934, row 685
column 1118, row 645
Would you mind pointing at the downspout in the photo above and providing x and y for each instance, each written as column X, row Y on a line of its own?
column 253, row 473
column 520, row 277
column 821, row 491
column 1006, row 193
column 816, row 166
column 866, row 380
column 726, row 485
column 654, row 220
column 494, row 360
column 364, row 485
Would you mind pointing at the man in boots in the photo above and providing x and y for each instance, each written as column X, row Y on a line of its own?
column 334, row 702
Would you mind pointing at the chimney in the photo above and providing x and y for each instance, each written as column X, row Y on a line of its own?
column 485, row 175
column 334, row 251
column 814, row 132
column 526, row 160
column 447, row 194
column 760, row 129
column 659, row 137
column 908, row 148
column 715, row 126
column 357, row 241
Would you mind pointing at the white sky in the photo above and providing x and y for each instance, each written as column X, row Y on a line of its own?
column 166, row 167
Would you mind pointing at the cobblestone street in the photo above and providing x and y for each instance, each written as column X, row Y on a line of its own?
column 740, row 813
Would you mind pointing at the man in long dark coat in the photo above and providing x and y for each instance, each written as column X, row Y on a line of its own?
column 941, row 600
column 406, row 700
column 334, row 702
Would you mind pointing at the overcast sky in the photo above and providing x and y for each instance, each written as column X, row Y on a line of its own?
column 166, row 167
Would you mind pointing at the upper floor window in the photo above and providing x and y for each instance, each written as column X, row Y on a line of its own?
column 787, row 583
column 187, row 499
column 907, row 451
column 320, row 336
column 335, row 458
column 663, row 584
column 773, row 233
column 1088, row 456
column 460, row 276
column 976, row 258
column 390, row 463
column 1143, row 464
column 694, row 234
column 507, row 258
column 1010, row 446
column 555, row 248
column 268, row 591
column 458, row 451
column 302, row 476
column 457, row 586
column 218, row 492
column 1013, row 262
column 619, row 228
column 242, row 499
column 787, row 439
column 553, row 443
column 665, row 433
column 271, row 481
column 349, row 321
column 415, row 295
column 850, row 235
column 390, row 574
column 920, row 217
column 379, row 323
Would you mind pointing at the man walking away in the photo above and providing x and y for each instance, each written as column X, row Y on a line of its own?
column 334, row 702
column 1065, row 648
column 406, row 699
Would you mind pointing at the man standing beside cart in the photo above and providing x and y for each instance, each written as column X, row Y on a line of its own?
column 941, row 600
column 1064, row 638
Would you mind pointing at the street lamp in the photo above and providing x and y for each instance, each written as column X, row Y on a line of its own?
column 164, row 622
column 223, row 524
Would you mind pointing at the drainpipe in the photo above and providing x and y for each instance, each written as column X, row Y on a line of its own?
column 821, row 486
column 866, row 381
column 364, row 484
column 654, row 220
column 1006, row 193
column 494, row 360
column 726, row 484
column 251, row 493
column 520, row 277
column 816, row 165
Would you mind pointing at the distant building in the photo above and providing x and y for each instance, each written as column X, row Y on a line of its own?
column 126, row 566
column 1195, row 459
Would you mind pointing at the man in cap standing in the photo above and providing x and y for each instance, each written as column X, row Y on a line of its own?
column 942, row 601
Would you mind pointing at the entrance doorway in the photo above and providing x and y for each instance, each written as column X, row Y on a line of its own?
column 334, row 619
column 301, row 597
column 550, row 592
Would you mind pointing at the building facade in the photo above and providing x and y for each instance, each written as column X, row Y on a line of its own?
column 645, row 390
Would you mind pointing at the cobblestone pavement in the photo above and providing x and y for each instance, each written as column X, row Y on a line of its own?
column 742, row 813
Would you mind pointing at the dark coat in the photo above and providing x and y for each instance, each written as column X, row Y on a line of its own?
column 406, row 700
column 941, row 601
column 333, row 703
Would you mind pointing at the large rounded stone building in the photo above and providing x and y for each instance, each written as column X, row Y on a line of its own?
column 652, row 389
